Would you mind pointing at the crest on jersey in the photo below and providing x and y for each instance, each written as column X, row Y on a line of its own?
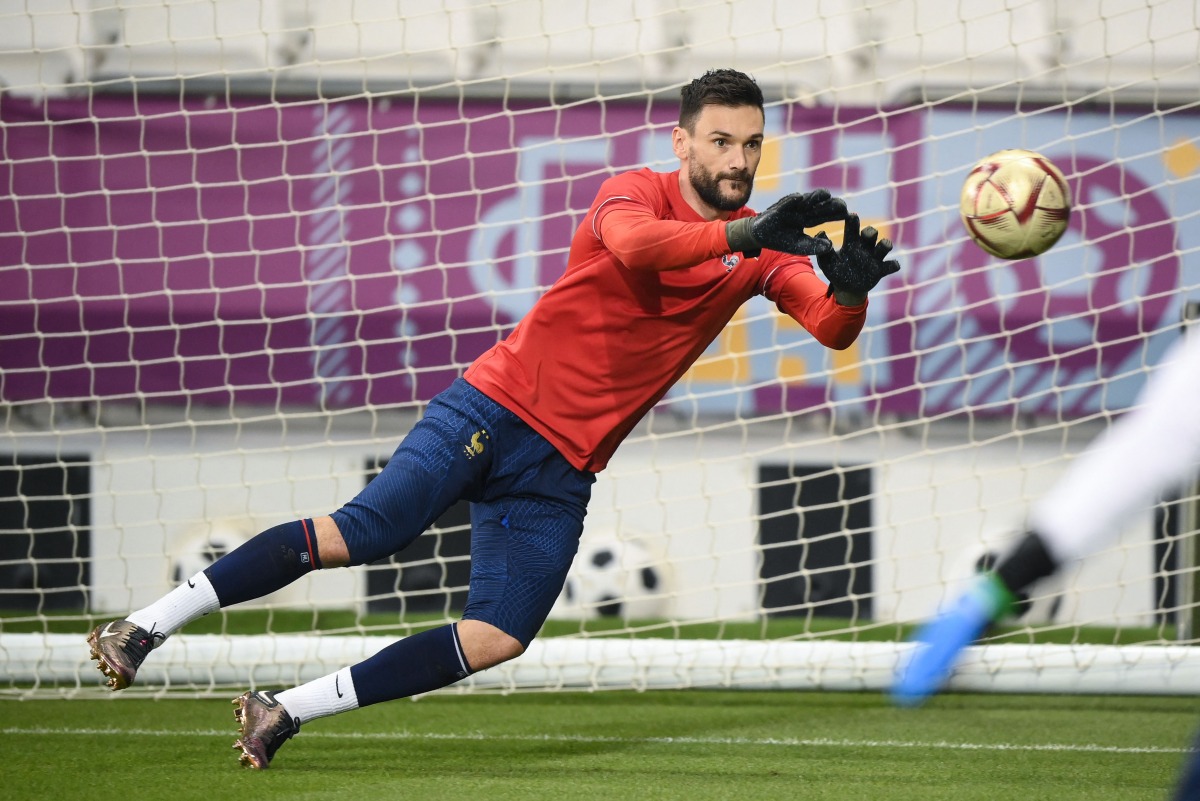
column 730, row 260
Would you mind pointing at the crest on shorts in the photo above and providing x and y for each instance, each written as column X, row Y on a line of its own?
column 477, row 443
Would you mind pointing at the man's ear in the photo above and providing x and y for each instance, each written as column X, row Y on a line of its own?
column 680, row 141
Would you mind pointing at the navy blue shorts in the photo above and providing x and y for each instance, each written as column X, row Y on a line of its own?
column 527, row 505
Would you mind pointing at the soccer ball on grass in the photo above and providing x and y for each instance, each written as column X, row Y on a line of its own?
column 612, row 578
column 1015, row 204
column 199, row 549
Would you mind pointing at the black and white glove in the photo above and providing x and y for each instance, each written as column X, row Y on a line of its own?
column 781, row 227
column 857, row 267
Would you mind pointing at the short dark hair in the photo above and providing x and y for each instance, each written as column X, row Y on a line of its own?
column 723, row 87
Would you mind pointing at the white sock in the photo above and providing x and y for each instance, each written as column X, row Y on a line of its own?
column 192, row 599
column 321, row 697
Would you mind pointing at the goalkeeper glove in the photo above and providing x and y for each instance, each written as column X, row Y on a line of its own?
column 856, row 268
column 781, row 227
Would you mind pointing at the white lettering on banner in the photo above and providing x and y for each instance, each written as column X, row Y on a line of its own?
column 513, row 288
column 326, row 262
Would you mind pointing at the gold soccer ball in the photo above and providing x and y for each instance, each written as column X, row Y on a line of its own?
column 1015, row 204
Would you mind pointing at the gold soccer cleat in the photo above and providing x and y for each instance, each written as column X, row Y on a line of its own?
column 119, row 649
column 263, row 726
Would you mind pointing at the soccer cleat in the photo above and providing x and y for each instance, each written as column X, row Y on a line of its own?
column 940, row 642
column 264, row 725
column 119, row 649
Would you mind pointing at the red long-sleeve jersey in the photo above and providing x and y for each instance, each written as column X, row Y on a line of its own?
column 649, row 285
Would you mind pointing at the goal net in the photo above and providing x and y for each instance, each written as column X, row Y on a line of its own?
column 243, row 242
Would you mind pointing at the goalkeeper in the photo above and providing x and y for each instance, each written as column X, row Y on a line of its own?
column 1154, row 447
column 656, row 269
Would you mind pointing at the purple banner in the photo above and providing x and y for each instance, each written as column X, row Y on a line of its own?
column 341, row 254
column 312, row 253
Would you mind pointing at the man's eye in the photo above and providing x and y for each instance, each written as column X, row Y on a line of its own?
column 753, row 145
column 719, row 142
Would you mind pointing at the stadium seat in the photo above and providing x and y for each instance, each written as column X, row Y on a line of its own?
column 391, row 41
column 1127, row 42
column 190, row 37
column 40, row 45
column 759, row 37
column 979, row 45
column 623, row 41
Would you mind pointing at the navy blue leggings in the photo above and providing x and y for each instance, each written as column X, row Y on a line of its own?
column 527, row 505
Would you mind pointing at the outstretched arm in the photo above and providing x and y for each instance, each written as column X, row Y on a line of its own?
column 805, row 298
column 643, row 241
column 1155, row 445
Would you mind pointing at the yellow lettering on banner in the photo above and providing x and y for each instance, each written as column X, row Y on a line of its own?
column 769, row 166
column 847, row 365
column 836, row 232
column 1182, row 158
column 730, row 363
column 792, row 369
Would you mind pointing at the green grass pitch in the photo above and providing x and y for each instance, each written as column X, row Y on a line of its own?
column 693, row 745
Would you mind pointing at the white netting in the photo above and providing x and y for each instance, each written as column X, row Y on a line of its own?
column 241, row 244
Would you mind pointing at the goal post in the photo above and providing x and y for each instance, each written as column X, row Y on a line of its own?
column 48, row 664
column 1188, row 619
column 243, row 243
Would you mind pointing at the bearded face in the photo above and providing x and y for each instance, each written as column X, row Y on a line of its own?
column 724, row 190
column 719, row 155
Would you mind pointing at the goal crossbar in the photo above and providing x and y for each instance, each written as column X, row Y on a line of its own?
column 208, row 662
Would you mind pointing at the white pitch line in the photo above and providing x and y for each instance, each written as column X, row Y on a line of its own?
column 942, row 745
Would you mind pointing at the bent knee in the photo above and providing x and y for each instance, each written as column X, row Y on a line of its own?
column 330, row 544
column 486, row 646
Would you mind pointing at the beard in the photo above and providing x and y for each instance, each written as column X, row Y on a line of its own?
column 708, row 187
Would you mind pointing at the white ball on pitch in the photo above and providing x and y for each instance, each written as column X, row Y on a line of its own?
column 198, row 550
column 612, row 578
column 1015, row 204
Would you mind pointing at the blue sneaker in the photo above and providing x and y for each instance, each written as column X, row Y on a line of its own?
column 940, row 641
